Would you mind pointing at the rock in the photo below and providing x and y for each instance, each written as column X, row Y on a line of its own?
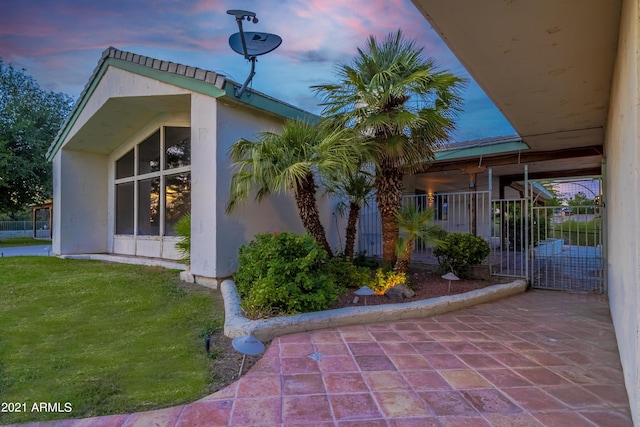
column 399, row 292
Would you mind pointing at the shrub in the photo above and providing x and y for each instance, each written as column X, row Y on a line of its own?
column 387, row 279
column 183, row 229
column 346, row 274
column 461, row 250
column 284, row 273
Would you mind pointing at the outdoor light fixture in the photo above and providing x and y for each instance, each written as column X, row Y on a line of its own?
column 450, row 277
column 365, row 291
column 247, row 345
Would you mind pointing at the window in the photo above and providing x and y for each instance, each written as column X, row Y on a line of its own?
column 153, row 184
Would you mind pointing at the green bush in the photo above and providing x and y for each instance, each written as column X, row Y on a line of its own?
column 461, row 250
column 284, row 273
column 347, row 274
column 183, row 229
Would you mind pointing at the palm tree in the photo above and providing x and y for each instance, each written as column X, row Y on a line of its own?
column 415, row 224
column 288, row 162
column 354, row 188
column 394, row 97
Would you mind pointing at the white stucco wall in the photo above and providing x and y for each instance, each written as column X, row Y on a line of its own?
column 81, row 194
column 622, row 149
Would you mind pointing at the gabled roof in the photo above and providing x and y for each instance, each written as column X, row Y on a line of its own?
column 191, row 78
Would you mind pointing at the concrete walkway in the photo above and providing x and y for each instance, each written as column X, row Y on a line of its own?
column 542, row 358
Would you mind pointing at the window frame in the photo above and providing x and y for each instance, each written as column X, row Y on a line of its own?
column 136, row 178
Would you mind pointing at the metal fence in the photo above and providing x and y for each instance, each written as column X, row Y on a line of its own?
column 10, row 229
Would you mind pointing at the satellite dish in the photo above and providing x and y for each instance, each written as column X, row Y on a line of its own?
column 250, row 44
column 256, row 43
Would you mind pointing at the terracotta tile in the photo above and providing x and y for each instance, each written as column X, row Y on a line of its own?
column 401, row 404
column 410, row 362
column 385, row 381
column 480, row 361
column 359, row 349
column 363, row 336
column 406, row 326
column 445, row 361
column 332, row 349
column 514, row 360
column 267, row 411
column 430, row 326
column 429, row 347
column 307, row 409
column 365, row 423
column 443, row 403
column 533, row 399
column 490, row 401
column 345, row 382
column 512, row 420
column 326, row 336
column 444, row 335
column 382, row 336
column 460, row 347
column 491, row 347
column 608, row 418
column 375, row 363
column 504, row 378
column 379, row 327
column 161, row 417
column 415, row 336
column 545, row 359
column 266, row 365
column 354, row 406
column 464, row 422
column 106, row 421
column 616, row 395
column 397, row 348
column 426, row 380
column 228, row 392
column 541, row 376
column 415, row 422
column 205, row 414
column 259, row 386
column 302, row 384
column 296, row 349
column 575, row 396
column 561, row 419
column 298, row 365
column 301, row 338
column 473, row 336
column 337, row 364
column 464, row 379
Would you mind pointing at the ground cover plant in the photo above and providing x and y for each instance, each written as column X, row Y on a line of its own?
column 106, row 338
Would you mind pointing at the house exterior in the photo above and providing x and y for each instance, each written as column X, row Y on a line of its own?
column 147, row 143
column 566, row 74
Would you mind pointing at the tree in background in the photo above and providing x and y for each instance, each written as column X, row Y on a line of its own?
column 29, row 121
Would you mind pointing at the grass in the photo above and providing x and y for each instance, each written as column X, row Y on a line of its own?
column 107, row 338
column 22, row 241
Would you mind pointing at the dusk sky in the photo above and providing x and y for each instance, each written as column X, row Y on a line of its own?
column 60, row 42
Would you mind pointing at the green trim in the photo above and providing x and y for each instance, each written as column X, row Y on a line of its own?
column 266, row 103
column 482, row 150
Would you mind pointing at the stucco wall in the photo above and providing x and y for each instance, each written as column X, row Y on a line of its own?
column 81, row 195
column 623, row 201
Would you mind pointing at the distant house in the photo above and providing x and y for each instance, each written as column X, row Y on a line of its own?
column 147, row 143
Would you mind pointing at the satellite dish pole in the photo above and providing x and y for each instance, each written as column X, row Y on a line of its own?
column 258, row 43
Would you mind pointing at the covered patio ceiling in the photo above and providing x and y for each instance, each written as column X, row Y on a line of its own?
column 546, row 64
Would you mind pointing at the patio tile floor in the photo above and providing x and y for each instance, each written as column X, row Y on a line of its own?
column 543, row 358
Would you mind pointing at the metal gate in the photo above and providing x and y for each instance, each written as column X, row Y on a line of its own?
column 567, row 251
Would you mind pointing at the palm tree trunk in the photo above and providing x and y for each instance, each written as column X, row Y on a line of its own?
column 389, row 198
column 402, row 263
column 305, row 196
column 350, row 233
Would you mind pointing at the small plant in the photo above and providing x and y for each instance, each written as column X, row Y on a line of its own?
column 284, row 273
column 183, row 229
column 387, row 279
column 461, row 251
column 345, row 273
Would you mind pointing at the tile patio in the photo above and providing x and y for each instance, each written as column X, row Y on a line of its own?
column 543, row 358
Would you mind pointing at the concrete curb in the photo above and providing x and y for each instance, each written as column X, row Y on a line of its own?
column 153, row 262
column 236, row 324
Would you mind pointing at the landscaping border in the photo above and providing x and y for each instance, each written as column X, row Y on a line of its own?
column 236, row 324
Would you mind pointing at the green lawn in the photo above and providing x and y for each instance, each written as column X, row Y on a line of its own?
column 22, row 241
column 107, row 338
